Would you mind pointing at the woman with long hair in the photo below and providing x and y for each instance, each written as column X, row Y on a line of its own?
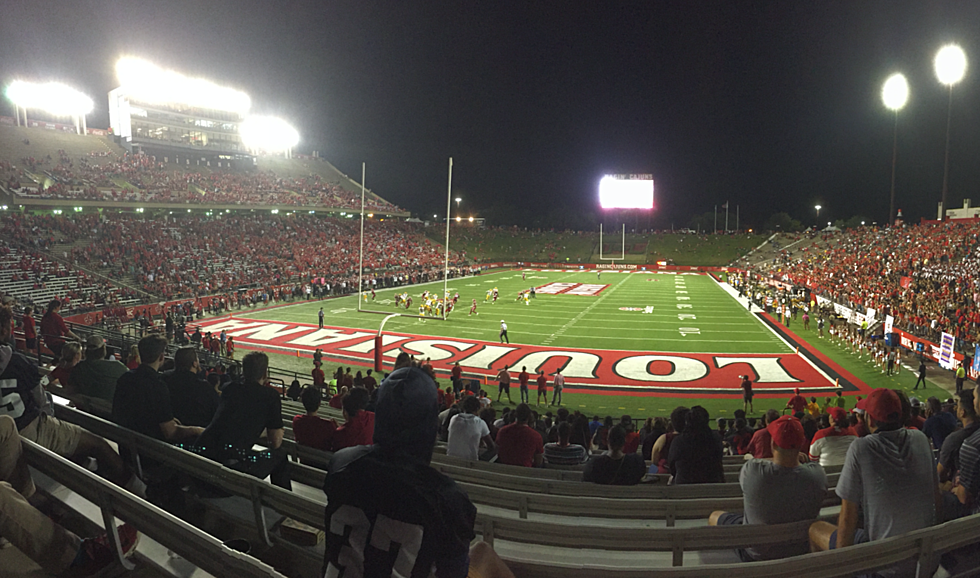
column 133, row 358
column 71, row 354
column 661, row 448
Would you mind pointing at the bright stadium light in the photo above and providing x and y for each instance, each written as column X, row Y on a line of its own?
column 268, row 133
column 950, row 68
column 950, row 64
column 895, row 92
column 51, row 97
column 146, row 82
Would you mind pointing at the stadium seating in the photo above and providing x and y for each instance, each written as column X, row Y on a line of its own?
column 509, row 532
column 923, row 275
column 199, row 548
column 202, row 256
column 31, row 277
column 47, row 165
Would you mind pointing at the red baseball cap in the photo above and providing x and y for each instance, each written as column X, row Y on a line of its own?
column 787, row 433
column 884, row 405
column 838, row 414
column 796, row 390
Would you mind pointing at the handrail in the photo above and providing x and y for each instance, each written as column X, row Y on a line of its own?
column 199, row 548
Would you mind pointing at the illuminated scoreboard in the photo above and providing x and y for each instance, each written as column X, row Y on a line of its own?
column 626, row 192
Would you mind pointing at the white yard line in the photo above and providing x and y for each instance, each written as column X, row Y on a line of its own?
column 574, row 320
column 731, row 291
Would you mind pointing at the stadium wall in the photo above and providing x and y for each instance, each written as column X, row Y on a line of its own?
column 608, row 267
column 53, row 126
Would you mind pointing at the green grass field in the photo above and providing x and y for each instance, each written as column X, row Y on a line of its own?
column 713, row 322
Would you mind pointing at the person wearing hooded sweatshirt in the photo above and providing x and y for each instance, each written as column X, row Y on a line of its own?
column 388, row 511
column 890, row 475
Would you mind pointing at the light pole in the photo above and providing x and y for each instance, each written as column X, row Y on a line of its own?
column 894, row 93
column 950, row 67
column 818, row 207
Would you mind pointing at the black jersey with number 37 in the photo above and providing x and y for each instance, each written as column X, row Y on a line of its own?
column 389, row 515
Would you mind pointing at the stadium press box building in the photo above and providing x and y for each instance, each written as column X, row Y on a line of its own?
column 177, row 119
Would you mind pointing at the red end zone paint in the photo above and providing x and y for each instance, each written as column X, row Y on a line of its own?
column 586, row 370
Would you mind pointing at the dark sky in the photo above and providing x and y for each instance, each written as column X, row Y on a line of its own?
column 773, row 105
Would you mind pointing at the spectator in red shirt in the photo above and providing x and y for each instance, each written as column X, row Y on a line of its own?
column 797, row 402
column 632, row 437
column 337, row 401
column 542, row 387
column 457, row 377
column 53, row 328
column 30, row 331
column 523, row 378
column 370, row 384
column 518, row 444
column 310, row 429
column 358, row 429
column 319, row 379
column 133, row 359
column 761, row 445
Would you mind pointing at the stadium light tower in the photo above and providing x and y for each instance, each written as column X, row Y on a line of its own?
column 950, row 67
column 818, row 207
column 894, row 93
column 53, row 98
column 147, row 82
column 269, row 134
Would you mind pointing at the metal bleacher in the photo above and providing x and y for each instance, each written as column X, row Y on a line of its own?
column 587, row 548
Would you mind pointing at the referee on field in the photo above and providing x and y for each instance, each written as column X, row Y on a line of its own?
column 503, row 332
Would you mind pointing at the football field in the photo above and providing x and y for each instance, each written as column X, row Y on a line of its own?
column 626, row 342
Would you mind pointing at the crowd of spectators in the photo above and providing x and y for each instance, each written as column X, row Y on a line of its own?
column 923, row 275
column 196, row 256
column 27, row 273
column 141, row 178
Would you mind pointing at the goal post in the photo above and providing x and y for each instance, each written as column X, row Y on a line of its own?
column 622, row 256
column 360, row 268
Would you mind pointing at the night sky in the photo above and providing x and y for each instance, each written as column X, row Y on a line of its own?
column 773, row 105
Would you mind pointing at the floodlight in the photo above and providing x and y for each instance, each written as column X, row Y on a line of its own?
column 471, row 219
column 268, row 133
column 895, row 92
column 51, row 97
column 950, row 64
column 146, row 82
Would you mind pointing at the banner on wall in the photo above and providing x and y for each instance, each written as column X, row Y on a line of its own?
column 946, row 358
column 889, row 324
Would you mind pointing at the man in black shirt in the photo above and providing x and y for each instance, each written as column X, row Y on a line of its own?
column 245, row 410
column 389, row 512
column 614, row 467
column 142, row 399
column 193, row 399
